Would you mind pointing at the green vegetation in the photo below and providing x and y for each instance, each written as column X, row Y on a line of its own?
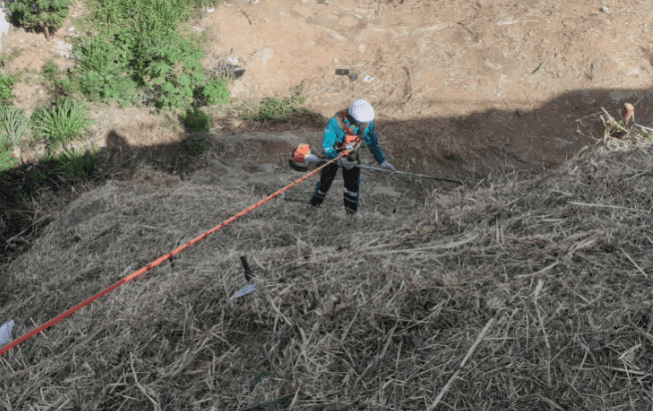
column 13, row 125
column 43, row 14
column 60, row 124
column 76, row 164
column 279, row 110
column 197, row 121
column 6, row 85
column 132, row 53
column 4, row 59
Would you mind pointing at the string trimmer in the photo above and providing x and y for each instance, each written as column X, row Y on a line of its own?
column 302, row 158
column 407, row 173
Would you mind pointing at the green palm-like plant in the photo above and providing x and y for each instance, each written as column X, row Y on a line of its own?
column 97, row 56
column 76, row 164
column 14, row 125
column 60, row 124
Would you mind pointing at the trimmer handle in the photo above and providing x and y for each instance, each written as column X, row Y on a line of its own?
column 248, row 272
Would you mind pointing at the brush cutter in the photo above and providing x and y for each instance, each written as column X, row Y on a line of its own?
column 303, row 158
column 408, row 174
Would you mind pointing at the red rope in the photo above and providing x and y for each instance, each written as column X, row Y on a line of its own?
column 159, row 261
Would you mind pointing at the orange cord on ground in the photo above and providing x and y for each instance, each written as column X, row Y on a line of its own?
column 159, row 261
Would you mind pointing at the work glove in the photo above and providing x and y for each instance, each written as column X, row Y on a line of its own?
column 311, row 158
column 347, row 164
column 387, row 166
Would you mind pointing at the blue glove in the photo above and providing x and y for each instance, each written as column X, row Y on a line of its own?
column 387, row 166
column 346, row 164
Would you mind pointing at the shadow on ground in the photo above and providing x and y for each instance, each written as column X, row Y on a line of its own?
column 469, row 148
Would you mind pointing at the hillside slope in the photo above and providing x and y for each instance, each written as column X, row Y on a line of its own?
column 365, row 313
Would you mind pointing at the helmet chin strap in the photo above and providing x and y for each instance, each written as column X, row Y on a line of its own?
column 351, row 119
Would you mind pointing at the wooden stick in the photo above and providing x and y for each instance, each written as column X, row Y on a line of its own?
column 462, row 364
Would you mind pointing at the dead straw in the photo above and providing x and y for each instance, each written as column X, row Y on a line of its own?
column 558, row 256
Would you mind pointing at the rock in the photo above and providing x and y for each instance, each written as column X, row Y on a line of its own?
column 563, row 143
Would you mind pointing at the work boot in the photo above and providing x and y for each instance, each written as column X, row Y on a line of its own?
column 316, row 201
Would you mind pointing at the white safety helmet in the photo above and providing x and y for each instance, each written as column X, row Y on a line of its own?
column 362, row 111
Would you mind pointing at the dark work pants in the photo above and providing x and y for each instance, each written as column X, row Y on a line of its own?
column 352, row 183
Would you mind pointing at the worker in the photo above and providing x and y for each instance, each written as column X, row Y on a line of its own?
column 344, row 127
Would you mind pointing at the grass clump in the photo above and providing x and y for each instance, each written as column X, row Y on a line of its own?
column 278, row 110
column 6, row 86
column 6, row 58
column 62, row 124
column 13, row 125
column 75, row 164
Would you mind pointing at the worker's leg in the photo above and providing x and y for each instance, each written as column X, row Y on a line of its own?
column 352, row 184
column 326, row 178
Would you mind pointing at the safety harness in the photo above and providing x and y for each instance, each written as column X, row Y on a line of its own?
column 298, row 160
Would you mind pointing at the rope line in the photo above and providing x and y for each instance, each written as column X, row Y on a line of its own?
column 159, row 261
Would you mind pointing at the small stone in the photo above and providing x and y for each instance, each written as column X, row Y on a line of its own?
column 563, row 143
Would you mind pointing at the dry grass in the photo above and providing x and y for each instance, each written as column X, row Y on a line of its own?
column 542, row 284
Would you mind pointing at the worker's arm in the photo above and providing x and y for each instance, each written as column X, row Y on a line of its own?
column 373, row 143
column 331, row 133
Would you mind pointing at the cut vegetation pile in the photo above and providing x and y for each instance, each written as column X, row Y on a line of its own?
column 372, row 313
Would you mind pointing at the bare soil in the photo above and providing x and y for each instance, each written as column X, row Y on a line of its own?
column 446, row 76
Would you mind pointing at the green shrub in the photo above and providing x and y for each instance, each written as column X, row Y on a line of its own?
column 4, row 59
column 198, row 121
column 280, row 110
column 66, row 85
column 49, row 14
column 171, row 68
column 271, row 109
column 76, row 164
column 102, row 67
column 6, row 86
column 50, row 70
column 196, row 144
column 216, row 92
column 100, row 57
column 60, row 124
column 158, row 17
column 6, row 162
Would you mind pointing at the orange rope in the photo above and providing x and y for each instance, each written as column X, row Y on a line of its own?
column 159, row 261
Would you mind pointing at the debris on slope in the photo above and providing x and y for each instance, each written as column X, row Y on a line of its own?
column 375, row 311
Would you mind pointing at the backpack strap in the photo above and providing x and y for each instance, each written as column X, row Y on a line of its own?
column 344, row 126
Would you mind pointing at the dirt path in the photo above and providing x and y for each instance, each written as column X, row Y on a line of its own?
column 447, row 79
